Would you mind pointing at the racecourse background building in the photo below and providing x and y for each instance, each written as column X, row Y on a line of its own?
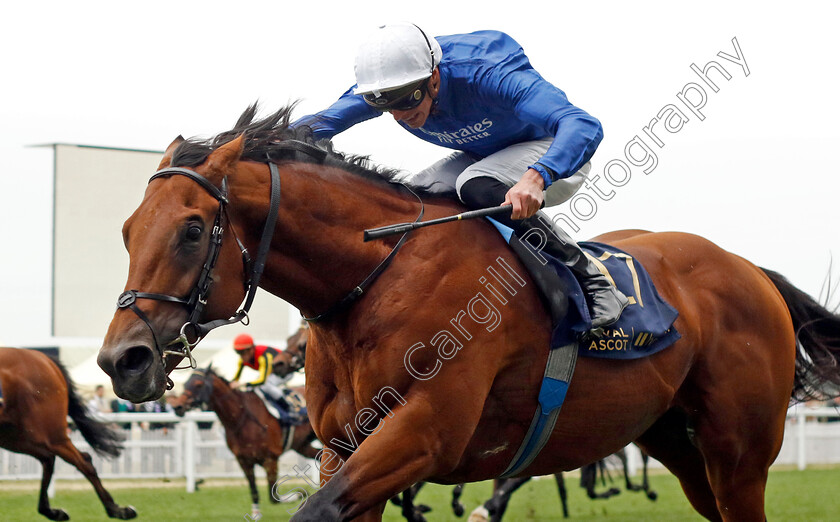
column 95, row 190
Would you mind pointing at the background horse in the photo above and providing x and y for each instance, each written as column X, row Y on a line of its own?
column 589, row 477
column 293, row 357
column 37, row 397
column 494, row 509
column 253, row 435
column 413, row 374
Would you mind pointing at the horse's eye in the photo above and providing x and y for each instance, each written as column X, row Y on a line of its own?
column 193, row 233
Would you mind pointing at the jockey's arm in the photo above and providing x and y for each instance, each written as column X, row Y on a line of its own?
column 345, row 112
column 239, row 367
column 264, row 369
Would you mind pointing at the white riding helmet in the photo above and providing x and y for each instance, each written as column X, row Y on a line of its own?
column 394, row 56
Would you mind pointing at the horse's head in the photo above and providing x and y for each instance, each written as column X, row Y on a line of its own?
column 197, row 392
column 182, row 272
column 293, row 357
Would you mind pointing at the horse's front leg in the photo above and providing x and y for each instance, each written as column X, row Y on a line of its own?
column 419, row 441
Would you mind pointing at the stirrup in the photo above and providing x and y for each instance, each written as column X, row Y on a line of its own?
column 600, row 329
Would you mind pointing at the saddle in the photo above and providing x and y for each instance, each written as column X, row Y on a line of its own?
column 645, row 327
column 290, row 410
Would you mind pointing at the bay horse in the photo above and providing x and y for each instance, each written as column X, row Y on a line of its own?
column 37, row 396
column 392, row 409
column 293, row 358
column 253, row 435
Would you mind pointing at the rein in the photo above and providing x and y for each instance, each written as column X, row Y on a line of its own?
column 356, row 292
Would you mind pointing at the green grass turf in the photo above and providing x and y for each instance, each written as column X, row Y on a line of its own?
column 791, row 496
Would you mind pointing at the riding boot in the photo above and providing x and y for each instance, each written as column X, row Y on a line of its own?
column 605, row 301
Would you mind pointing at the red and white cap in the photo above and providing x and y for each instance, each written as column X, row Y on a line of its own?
column 243, row 342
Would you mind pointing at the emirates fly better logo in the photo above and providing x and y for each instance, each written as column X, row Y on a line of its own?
column 466, row 134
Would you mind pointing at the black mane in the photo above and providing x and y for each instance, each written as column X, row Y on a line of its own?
column 263, row 140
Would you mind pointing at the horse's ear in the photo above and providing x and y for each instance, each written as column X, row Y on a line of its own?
column 167, row 156
column 222, row 159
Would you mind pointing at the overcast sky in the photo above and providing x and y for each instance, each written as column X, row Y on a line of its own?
column 757, row 174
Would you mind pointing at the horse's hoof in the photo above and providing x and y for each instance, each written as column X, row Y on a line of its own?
column 652, row 495
column 479, row 514
column 423, row 508
column 294, row 496
column 56, row 514
column 123, row 513
column 458, row 509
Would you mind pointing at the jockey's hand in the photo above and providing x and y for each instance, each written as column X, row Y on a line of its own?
column 526, row 196
column 235, row 385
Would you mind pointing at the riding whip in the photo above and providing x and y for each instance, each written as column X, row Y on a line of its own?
column 401, row 228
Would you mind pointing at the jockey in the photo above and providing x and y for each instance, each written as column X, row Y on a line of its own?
column 260, row 358
column 518, row 139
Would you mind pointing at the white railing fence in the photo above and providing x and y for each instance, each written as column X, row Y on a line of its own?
column 164, row 446
column 157, row 445
column 812, row 437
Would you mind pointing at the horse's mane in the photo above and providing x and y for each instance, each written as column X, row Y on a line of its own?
column 211, row 371
column 263, row 142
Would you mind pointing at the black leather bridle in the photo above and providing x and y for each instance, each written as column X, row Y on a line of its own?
column 197, row 300
column 201, row 399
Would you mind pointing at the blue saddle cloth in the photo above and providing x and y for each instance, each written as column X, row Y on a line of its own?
column 645, row 326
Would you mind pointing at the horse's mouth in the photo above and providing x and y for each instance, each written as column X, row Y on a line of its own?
column 136, row 373
column 138, row 392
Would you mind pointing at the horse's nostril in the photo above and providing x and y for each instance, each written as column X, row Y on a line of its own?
column 135, row 360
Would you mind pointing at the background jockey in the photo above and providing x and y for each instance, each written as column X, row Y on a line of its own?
column 519, row 139
column 260, row 358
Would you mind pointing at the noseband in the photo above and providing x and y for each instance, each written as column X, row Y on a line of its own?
column 195, row 303
column 197, row 300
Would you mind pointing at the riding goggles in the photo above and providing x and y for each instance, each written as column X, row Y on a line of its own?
column 401, row 99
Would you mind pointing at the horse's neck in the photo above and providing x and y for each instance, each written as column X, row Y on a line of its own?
column 227, row 404
column 317, row 253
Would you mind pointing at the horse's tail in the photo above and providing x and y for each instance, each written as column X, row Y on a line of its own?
column 102, row 439
column 818, row 343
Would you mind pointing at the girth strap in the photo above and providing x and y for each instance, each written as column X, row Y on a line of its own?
column 558, row 374
column 289, row 438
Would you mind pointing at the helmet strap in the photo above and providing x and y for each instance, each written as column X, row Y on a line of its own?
column 431, row 49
